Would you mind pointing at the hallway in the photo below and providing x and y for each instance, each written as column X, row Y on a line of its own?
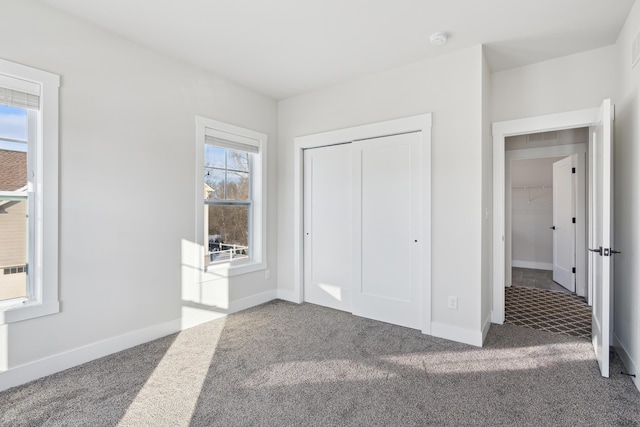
column 535, row 301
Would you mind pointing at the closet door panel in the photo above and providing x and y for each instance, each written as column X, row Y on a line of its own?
column 327, row 226
column 387, row 250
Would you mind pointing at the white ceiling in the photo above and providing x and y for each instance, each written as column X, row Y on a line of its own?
column 283, row 48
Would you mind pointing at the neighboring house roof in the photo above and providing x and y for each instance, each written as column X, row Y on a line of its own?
column 13, row 170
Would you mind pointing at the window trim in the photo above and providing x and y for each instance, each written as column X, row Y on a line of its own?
column 257, row 226
column 43, row 231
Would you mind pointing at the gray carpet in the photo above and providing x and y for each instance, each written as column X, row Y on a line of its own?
column 282, row 364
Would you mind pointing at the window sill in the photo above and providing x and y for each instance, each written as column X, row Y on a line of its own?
column 27, row 310
column 226, row 270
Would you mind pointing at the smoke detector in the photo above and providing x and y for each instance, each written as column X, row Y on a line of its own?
column 438, row 39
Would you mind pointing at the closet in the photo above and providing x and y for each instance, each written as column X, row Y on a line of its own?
column 363, row 227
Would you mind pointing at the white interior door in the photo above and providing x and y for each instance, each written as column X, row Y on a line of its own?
column 387, row 247
column 564, row 239
column 327, row 227
column 601, row 243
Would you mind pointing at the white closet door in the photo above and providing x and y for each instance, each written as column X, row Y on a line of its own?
column 328, row 258
column 386, row 246
column 564, row 229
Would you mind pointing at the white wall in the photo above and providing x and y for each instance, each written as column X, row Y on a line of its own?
column 451, row 88
column 626, row 206
column 127, row 174
column 487, row 199
column 573, row 82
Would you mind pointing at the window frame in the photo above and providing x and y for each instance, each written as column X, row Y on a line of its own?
column 258, row 181
column 42, row 150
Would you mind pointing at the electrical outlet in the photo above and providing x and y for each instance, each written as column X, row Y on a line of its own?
column 267, row 274
column 453, row 302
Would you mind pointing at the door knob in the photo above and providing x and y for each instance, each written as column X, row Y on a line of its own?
column 553, row 227
column 599, row 250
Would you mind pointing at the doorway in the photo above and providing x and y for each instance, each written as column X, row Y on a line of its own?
column 529, row 233
column 547, row 292
column 600, row 123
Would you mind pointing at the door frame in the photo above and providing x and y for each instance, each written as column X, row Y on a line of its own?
column 501, row 130
column 420, row 123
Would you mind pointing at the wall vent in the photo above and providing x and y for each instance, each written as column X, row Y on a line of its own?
column 635, row 50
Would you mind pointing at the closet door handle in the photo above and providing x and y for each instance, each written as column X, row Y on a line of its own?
column 553, row 227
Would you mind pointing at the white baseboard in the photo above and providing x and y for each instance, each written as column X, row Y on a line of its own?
column 23, row 374
column 289, row 296
column 194, row 314
column 495, row 319
column 59, row 362
column 627, row 361
column 454, row 333
column 252, row 301
column 486, row 325
column 533, row 265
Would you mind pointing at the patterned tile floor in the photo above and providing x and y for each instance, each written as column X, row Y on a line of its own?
column 547, row 310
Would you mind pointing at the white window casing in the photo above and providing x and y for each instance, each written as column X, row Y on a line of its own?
column 228, row 136
column 37, row 90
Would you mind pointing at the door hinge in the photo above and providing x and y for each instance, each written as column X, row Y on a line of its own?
column 573, row 220
column 573, row 170
column 573, row 270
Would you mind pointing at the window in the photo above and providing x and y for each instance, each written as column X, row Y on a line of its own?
column 14, row 203
column 28, row 189
column 234, row 181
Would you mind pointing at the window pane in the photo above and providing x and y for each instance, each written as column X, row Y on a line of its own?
column 13, row 224
column 237, row 185
column 13, row 247
column 228, row 228
column 238, row 160
column 13, row 123
column 214, row 156
column 213, row 184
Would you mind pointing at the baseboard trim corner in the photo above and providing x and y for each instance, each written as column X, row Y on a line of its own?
column 627, row 361
column 486, row 325
column 454, row 333
column 288, row 296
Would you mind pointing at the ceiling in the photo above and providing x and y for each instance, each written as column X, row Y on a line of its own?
column 283, row 48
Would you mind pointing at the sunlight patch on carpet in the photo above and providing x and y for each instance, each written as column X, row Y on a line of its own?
column 314, row 372
column 170, row 395
column 495, row 360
